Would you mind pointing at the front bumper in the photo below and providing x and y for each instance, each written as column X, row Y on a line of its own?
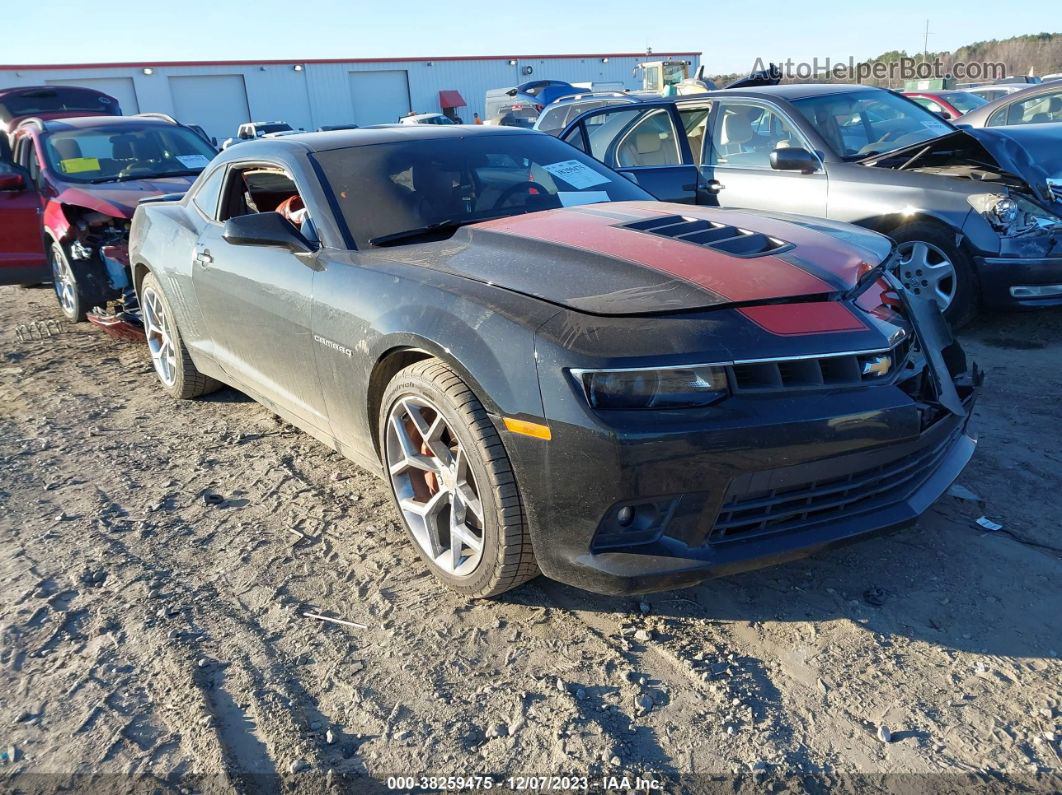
column 999, row 274
column 724, row 499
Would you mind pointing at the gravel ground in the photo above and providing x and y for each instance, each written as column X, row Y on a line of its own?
column 158, row 560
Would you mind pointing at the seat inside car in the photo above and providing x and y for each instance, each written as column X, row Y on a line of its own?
column 67, row 149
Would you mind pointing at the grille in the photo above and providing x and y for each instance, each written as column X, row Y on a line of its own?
column 731, row 240
column 818, row 372
column 799, row 507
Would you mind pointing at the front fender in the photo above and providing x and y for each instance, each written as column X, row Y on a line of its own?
column 361, row 314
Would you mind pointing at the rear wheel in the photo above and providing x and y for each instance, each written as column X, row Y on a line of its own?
column 174, row 367
column 452, row 482
column 930, row 264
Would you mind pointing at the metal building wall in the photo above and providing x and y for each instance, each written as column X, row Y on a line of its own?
column 320, row 93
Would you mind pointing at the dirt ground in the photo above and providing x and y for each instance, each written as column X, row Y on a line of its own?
column 157, row 560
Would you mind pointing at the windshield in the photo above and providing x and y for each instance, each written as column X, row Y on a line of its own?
column 102, row 154
column 386, row 189
column 57, row 100
column 963, row 101
column 859, row 124
column 262, row 129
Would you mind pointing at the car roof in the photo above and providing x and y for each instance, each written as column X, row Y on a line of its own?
column 88, row 122
column 366, row 136
column 14, row 90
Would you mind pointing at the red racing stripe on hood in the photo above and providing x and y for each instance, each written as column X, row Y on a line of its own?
column 818, row 317
column 734, row 278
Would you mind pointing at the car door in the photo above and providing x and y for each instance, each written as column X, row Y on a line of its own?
column 256, row 300
column 22, row 256
column 737, row 169
column 643, row 141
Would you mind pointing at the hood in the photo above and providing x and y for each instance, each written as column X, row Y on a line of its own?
column 1024, row 155
column 648, row 257
column 119, row 199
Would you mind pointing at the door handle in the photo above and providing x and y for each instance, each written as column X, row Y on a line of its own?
column 714, row 186
column 203, row 257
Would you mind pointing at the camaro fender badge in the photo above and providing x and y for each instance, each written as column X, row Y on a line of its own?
column 879, row 366
column 333, row 345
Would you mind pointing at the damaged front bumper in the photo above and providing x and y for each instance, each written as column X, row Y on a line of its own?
column 120, row 318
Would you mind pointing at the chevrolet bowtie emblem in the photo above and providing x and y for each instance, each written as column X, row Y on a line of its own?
column 879, row 366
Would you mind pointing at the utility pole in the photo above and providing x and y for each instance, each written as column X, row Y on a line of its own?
column 925, row 43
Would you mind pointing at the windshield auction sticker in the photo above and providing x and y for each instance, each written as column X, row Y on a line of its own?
column 576, row 174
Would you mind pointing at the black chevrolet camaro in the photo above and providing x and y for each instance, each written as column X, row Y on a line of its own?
column 553, row 371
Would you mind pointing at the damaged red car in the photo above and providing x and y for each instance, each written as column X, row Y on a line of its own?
column 70, row 194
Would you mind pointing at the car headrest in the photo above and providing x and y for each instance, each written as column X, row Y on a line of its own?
column 67, row 148
column 737, row 129
column 1055, row 105
column 647, row 143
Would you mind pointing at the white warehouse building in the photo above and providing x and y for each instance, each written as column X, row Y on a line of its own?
column 220, row 95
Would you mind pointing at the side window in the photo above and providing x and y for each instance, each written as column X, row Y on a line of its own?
column 575, row 138
column 264, row 189
column 997, row 119
column 745, row 135
column 553, row 119
column 928, row 104
column 653, row 141
column 695, row 123
column 206, row 198
column 34, row 167
column 1037, row 110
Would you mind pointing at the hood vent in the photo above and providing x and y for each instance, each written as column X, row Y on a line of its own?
column 732, row 240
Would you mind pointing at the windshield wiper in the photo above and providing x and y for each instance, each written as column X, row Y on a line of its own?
column 134, row 177
column 438, row 226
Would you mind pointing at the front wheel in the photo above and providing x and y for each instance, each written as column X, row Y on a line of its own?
column 452, row 482
column 176, row 371
column 78, row 288
column 929, row 263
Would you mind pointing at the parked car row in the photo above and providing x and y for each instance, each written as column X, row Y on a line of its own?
column 976, row 213
column 664, row 285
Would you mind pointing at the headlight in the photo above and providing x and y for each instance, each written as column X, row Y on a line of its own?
column 653, row 388
column 1011, row 216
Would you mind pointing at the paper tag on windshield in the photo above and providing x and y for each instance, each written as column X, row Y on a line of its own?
column 939, row 128
column 576, row 174
column 79, row 165
column 570, row 198
column 193, row 161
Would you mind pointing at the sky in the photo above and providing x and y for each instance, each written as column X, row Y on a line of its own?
column 730, row 35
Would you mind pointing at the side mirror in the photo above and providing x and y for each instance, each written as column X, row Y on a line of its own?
column 265, row 229
column 12, row 182
column 794, row 158
column 944, row 115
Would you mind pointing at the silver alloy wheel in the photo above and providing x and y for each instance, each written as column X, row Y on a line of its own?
column 435, row 486
column 159, row 338
column 63, row 281
column 924, row 269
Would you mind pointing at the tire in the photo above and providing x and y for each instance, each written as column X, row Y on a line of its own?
column 505, row 558
column 173, row 366
column 79, row 286
column 939, row 247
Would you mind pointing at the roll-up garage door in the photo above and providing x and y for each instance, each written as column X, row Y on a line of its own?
column 217, row 103
column 379, row 97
